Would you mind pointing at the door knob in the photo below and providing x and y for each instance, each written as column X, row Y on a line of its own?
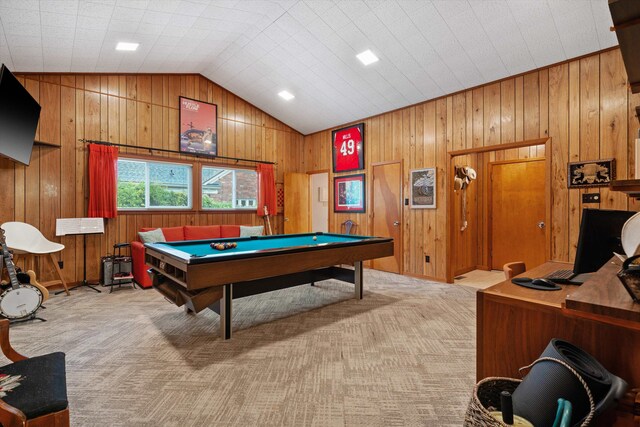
column 286, row 219
column 541, row 225
column 396, row 223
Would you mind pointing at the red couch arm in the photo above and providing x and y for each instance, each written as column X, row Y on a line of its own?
column 139, row 267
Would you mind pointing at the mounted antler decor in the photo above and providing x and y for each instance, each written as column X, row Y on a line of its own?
column 463, row 177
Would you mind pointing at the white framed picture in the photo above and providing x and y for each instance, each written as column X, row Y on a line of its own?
column 423, row 188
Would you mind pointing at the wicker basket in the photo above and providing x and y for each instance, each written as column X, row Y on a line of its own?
column 486, row 398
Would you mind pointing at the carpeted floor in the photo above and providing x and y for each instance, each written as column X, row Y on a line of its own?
column 305, row 356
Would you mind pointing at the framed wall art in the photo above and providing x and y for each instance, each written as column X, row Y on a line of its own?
column 349, row 193
column 348, row 148
column 198, row 127
column 423, row 188
column 593, row 173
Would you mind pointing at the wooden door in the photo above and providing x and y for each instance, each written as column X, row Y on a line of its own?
column 517, row 213
column 387, row 212
column 296, row 203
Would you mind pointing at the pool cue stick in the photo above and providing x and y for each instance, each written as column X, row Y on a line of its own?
column 267, row 223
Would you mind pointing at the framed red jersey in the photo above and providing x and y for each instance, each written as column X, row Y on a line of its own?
column 348, row 148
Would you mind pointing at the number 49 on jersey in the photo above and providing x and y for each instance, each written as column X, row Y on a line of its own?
column 348, row 148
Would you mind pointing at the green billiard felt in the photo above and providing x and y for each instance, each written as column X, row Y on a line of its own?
column 201, row 248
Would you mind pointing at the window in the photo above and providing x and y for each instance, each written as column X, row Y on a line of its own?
column 145, row 184
column 229, row 188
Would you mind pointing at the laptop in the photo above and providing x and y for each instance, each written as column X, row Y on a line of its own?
column 599, row 238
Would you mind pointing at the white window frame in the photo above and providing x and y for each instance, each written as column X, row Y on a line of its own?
column 234, row 196
column 147, row 186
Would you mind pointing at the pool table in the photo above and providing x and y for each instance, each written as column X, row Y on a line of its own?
column 193, row 274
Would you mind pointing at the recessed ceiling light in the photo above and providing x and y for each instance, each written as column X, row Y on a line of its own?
column 286, row 95
column 367, row 57
column 127, row 46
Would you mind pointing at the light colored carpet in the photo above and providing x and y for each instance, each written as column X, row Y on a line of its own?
column 305, row 356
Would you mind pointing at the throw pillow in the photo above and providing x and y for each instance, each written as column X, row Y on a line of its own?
column 246, row 231
column 152, row 236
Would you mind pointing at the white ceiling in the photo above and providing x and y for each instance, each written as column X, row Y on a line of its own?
column 256, row 48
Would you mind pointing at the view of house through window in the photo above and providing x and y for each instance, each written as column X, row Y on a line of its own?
column 229, row 188
column 145, row 184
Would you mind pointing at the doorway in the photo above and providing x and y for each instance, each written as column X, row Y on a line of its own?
column 319, row 200
column 481, row 210
column 386, row 206
column 517, row 186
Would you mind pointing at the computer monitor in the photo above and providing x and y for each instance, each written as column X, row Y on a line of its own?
column 600, row 232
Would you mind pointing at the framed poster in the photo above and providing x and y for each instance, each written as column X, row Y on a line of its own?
column 349, row 193
column 593, row 173
column 348, row 148
column 423, row 188
column 198, row 127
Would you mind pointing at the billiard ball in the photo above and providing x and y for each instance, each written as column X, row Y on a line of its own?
column 223, row 246
column 315, row 238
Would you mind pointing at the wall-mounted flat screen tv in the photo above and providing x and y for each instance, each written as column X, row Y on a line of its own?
column 19, row 114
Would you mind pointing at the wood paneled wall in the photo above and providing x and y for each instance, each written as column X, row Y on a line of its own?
column 140, row 110
column 583, row 105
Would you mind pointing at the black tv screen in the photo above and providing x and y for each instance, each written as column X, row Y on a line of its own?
column 19, row 114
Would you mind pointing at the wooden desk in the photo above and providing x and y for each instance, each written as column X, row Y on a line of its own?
column 515, row 324
column 605, row 298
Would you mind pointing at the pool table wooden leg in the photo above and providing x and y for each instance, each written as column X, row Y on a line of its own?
column 358, row 279
column 225, row 311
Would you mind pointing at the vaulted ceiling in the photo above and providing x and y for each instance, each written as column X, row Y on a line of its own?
column 257, row 48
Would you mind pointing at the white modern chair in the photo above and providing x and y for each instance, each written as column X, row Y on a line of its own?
column 26, row 240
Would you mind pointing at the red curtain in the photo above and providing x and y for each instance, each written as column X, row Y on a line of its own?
column 266, row 189
column 103, row 163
